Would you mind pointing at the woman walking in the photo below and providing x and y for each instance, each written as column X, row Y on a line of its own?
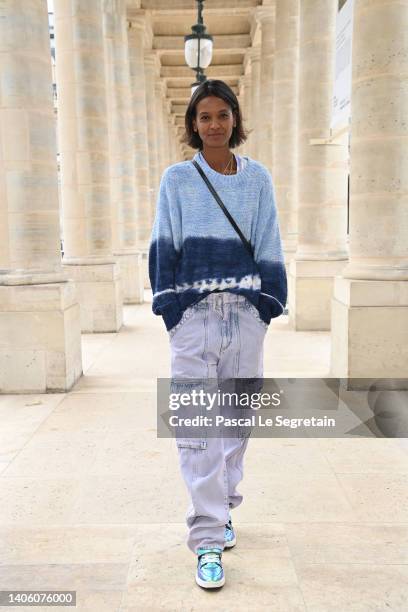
column 218, row 278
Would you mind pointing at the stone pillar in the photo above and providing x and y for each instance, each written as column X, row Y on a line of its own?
column 167, row 112
column 173, row 137
column 266, row 18
column 285, row 110
column 254, row 54
column 322, row 175
column 171, row 133
column 172, row 140
column 124, row 195
column 151, row 60
column 179, row 152
column 40, row 334
column 140, row 135
column 165, row 127
column 370, row 304
column 161, row 146
column 161, row 143
column 247, row 112
column 241, row 90
column 84, row 149
column 136, row 39
column 177, row 146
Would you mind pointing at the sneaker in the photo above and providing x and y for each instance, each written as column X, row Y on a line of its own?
column 210, row 573
column 230, row 538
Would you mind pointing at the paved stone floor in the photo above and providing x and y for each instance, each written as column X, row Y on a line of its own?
column 92, row 501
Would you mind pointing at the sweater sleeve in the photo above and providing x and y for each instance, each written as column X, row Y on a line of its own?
column 269, row 255
column 163, row 255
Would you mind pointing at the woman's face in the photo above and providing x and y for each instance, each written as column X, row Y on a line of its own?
column 214, row 122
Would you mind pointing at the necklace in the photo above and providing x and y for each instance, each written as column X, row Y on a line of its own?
column 228, row 165
column 230, row 171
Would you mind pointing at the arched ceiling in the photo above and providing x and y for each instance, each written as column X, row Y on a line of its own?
column 231, row 24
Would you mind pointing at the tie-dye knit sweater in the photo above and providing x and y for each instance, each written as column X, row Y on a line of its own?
column 194, row 250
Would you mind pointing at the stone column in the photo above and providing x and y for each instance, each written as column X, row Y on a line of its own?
column 370, row 305
column 124, row 195
column 240, row 150
column 179, row 152
column 84, row 149
column 173, row 140
column 167, row 112
column 322, row 175
column 151, row 60
column 247, row 112
column 266, row 18
column 170, row 119
column 254, row 55
column 161, row 146
column 40, row 334
column 285, row 110
column 136, row 39
column 178, row 156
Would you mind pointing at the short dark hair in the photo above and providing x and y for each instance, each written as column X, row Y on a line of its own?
column 219, row 89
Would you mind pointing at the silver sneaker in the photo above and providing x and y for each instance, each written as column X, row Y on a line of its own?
column 210, row 573
column 230, row 537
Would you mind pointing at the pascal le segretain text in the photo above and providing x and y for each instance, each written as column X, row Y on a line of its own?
column 251, row 421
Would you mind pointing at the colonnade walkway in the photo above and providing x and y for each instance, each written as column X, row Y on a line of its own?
column 92, row 501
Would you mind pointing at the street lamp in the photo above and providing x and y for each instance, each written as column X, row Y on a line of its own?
column 198, row 48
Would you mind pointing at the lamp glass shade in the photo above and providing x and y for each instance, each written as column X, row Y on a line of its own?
column 191, row 52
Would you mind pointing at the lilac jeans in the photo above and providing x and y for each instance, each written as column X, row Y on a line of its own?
column 220, row 337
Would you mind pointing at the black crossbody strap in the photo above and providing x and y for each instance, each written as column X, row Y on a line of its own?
column 224, row 209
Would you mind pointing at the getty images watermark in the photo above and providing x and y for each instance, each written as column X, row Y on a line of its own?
column 311, row 407
column 225, row 400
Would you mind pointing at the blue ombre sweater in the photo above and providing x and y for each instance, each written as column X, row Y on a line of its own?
column 194, row 250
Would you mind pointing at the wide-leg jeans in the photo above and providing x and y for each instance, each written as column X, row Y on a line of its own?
column 219, row 338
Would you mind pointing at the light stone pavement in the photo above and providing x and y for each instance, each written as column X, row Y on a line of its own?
column 92, row 501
